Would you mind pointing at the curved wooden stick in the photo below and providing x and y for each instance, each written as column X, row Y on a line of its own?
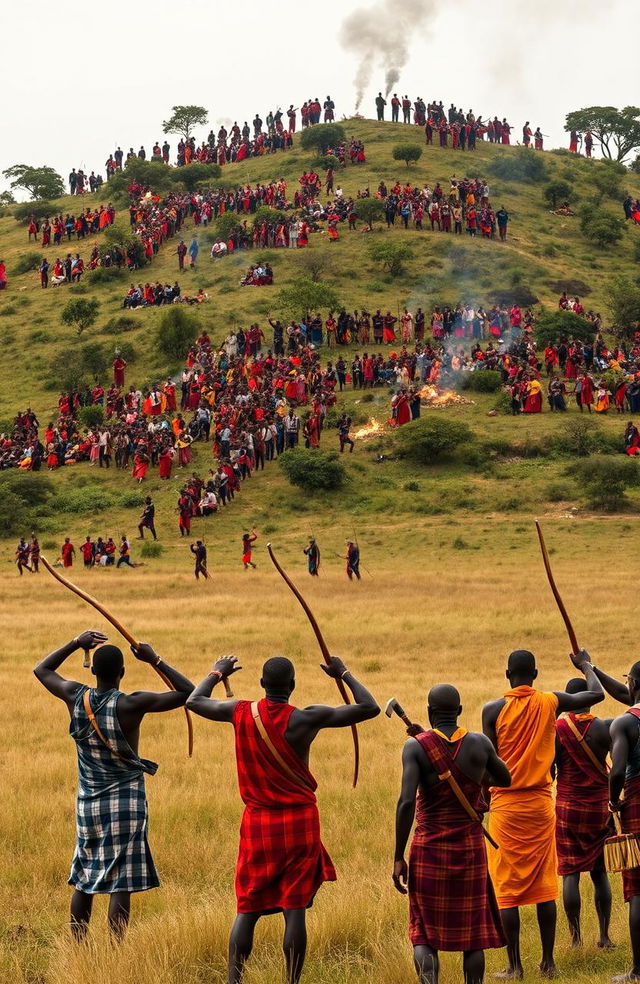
column 99, row 607
column 556, row 594
column 326, row 655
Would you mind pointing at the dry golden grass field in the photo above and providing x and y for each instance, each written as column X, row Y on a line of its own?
column 430, row 613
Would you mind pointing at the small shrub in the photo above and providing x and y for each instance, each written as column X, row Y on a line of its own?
column 27, row 263
column 322, row 137
column 82, row 501
column 460, row 544
column 572, row 286
column 482, row 381
column 558, row 492
column 313, row 470
column 521, row 165
column 49, row 544
column 561, row 324
column 430, row 437
column 132, row 500
column 606, row 480
column 8, row 311
column 578, row 437
column 407, row 152
column 411, row 486
column 150, row 548
column 601, row 228
column 80, row 314
column 502, row 402
column 91, row 416
column 177, row 330
column 392, row 256
column 106, row 274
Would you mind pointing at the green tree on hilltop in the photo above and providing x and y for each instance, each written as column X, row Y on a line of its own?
column 407, row 152
column 617, row 130
column 39, row 182
column 184, row 119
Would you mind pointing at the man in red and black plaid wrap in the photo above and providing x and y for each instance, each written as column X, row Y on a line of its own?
column 281, row 861
column 583, row 821
column 452, row 905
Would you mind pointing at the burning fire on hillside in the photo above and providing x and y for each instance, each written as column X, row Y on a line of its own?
column 373, row 428
column 431, row 396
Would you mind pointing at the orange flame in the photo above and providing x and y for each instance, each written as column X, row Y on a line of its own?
column 433, row 397
column 373, row 428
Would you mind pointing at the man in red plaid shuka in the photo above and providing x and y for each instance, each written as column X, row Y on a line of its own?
column 281, row 862
column 583, row 821
column 452, row 905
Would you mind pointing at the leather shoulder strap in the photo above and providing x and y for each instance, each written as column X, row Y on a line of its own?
column 262, row 731
column 96, row 727
column 602, row 769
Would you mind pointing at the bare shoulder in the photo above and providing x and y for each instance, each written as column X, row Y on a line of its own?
column 491, row 710
column 625, row 725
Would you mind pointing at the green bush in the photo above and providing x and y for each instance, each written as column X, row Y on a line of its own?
column 369, row 210
column 132, row 500
column 79, row 313
column 82, row 501
column 623, row 297
column 502, row 402
column 119, row 325
column 91, row 416
column 33, row 488
column 430, row 437
column 581, row 436
column 151, row 549
column 27, row 263
column 554, row 325
column 482, row 381
column 601, row 228
column 558, row 192
column 14, row 514
column 324, row 162
column 519, row 165
column 177, row 331
column 106, row 274
column 606, row 481
column 407, row 152
column 40, row 209
column 313, row 470
column 392, row 256
column 558, row 492
column 225, row 226
column 322, row 137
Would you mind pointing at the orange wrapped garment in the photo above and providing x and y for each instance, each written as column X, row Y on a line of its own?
column 522, row 818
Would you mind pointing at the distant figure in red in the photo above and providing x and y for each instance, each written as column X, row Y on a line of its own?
column 119, row 366
column 588, row 143
column 573, row 142
column 140, row 465
column 67, row 552
column 185, row 511
column 403, row 411
column 631, row 439
column 282, row 862
column 584, row 392
column 165, row 460
column 247, row 540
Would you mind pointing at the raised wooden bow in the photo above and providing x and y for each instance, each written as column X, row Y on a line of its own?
column 99, row 607
column 326, row 655
column 556, row 594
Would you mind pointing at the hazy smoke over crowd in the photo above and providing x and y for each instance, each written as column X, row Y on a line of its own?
column 379, row 36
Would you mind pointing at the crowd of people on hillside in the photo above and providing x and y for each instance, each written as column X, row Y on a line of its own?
column 59, row 228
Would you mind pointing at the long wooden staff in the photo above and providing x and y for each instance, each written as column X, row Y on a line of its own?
column 556, row 594
column 99, row 607
column 326, row 655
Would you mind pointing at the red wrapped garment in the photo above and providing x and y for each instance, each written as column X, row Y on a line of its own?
column 452, row 905
column 582, row 815
column 630, row 822
column 281, row 861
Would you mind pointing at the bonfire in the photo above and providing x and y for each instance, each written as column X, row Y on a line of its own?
column 431, row 396
column 373, row 428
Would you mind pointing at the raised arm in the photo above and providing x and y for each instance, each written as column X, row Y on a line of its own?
column 201, row 702
column 613, row 687
column 364, row 705
column 46, row 670
column 405, row 812
column 595, row 693
column 624, row 731
column 133, row 707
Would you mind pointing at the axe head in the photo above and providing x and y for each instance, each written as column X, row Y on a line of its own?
column 393, row 707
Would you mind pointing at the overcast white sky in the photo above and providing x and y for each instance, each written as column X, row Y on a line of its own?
column 77, row 82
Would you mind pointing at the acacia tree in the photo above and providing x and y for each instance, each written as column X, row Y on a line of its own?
column 305, row 295
column 617, row 130
column 407, row 152
column 80, row 312
column 184, row 118
column 39, row 182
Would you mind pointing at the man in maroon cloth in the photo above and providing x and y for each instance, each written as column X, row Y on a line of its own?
column 119, row 366
column 281, row 862
column 452, row 905
column 582, row 815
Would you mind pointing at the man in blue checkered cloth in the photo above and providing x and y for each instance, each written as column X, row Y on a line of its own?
column 112, row 855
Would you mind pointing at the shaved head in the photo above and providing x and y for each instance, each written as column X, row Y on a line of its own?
column 108, row 662
column 444, row 699
column 278, row 674
column 576, row 686
column 521, row 663
column 635, row 671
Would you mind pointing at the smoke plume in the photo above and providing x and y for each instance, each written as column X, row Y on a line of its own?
column 379, row 36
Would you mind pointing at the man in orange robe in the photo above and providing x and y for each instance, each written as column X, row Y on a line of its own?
column 522, row 727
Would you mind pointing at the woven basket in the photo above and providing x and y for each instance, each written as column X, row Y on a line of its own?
column 622, row 852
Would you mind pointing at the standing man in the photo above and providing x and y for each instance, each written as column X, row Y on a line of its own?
column 67, row 552
column 582, row 815
column 344, row 428
column 199, row 552
column 625, row 775
column 353, row 560
column 502, row 218
column 125, row 553
column 22, row 556
column 381, row 102
column 193, row 252
column 182, row 252
column 313, row 557
column 452, row 905
column 522, row 727
column 112, row 855
column 147, row 519
column 395, row 108
column 281, row 862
